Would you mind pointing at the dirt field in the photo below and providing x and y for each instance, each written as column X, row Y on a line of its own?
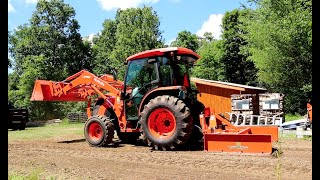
column 70, row 157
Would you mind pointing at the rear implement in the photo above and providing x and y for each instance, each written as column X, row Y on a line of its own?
column 222, row 136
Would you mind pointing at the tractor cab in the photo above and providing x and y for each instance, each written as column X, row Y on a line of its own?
column 153, row 71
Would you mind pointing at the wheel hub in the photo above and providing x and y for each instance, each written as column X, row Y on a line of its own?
column 162, row 123
column 95, row 131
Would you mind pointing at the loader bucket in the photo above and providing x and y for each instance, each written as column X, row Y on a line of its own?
column 43, row 91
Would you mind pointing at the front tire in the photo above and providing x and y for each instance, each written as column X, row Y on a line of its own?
column 124, row 137
column 99, row 131
column 166, row 123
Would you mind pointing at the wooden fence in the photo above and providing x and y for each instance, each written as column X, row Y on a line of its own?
column 77, row 117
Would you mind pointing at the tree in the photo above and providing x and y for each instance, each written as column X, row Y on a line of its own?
column 280, row 44
column 186, row 39
column 103, row 46
column 55, row 23
column 210, row 65
column 49, row 47
column 208, row 36
column 9, row 63
column 237, row 67
column 133, row 30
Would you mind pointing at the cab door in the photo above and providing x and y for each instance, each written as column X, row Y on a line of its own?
column 142, row 75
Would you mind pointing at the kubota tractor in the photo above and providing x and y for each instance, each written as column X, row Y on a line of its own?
column 155, row 99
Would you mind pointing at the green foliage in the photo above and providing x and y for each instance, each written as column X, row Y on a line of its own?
column 210, row 65
column 223, row 59
column 208, row 36
column 34, row 175
column 9, row 63
column 280, row 44
column 292, row 117
column 103, row 46
column 237, row 67
column 49, row 47
column 293, row 136
column 133, row 30
column 186, row 39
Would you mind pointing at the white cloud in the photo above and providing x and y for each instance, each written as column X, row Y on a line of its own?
column 10, row 7
column 91, row 36
column 123, row 4
column 212, row 25
column 31, row 1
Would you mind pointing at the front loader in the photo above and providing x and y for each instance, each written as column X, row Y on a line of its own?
column 155, row 100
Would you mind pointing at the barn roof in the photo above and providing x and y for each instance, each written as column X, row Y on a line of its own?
column 227, row 85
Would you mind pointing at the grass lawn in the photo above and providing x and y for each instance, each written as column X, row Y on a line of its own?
column 291, row 117
column 48, row 131
column 34, row 175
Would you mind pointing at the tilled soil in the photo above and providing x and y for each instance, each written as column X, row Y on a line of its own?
column 70, row 157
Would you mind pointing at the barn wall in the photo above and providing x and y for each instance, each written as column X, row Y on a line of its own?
column 215, row 97
column 220, row 98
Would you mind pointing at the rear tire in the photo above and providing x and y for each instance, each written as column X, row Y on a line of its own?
column 166, row 123
column 99, row 131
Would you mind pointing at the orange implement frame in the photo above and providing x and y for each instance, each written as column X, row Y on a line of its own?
column 222, row 136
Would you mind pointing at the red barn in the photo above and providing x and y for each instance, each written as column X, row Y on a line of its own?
column 217, row 94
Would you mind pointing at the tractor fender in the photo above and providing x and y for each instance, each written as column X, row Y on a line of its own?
column 169, row 90
column 105, row 103
column 102, row 107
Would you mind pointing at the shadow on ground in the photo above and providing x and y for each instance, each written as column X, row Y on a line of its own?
column 141, row 143
column 73, row 141
column 276, row 152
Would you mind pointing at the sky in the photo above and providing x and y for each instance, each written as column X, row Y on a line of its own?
column 174, row 15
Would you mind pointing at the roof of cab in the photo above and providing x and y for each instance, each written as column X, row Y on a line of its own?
column 161, row 52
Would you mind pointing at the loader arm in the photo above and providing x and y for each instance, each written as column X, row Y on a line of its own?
column 85, row 78
column 76, row 88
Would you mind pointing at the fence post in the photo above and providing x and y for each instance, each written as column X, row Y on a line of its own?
column 299, row 132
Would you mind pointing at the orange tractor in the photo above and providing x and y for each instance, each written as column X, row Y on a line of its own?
column 155, row 100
